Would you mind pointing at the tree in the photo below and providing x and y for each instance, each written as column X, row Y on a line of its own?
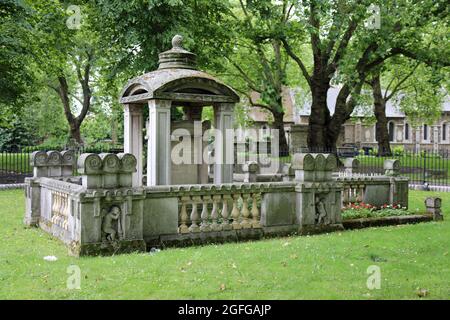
column 257, row 64
column 67, row 54
column 16, row 75
column 345, row 50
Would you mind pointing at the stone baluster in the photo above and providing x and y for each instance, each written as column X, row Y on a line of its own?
column 346, row 197
column 225, row 223
column 183, row 228
column 195, row 218
column 54, row 202
column 215, row 213
column 255, row 212
column 361, row 193
column 205, row 227
column 235, row 213
column 245, row 223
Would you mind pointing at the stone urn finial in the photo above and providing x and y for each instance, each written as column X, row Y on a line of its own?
column 177, row 57
column 177, row 41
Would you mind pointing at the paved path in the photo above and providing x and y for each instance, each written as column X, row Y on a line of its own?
column 12, row 186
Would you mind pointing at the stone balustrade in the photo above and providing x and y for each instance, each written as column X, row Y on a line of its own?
column 213, row 213
column 60, row 209
column 374, row 189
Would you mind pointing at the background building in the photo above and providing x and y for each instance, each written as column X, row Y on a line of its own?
column 357, row 132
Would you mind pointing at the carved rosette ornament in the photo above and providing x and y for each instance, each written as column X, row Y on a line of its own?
column 39, row 158
column 54, row 158
column 128, row 162
column 68, row 157
column 89, row 163
column 111, row 162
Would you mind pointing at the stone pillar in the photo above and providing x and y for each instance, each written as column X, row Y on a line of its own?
column 251, row 170
column 224, row 143
column 133, row 142
column 158, row 154
column 433, row 206
column 435, row 138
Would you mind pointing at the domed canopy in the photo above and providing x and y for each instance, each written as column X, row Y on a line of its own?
column 177, row 79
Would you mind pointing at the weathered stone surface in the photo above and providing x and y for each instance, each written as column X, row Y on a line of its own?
column 278, row 209
column 377, row 195
column 160, row 216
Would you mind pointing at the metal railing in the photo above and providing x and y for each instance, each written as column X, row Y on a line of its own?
column 15, row 163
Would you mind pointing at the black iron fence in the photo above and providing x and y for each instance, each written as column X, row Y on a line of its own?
column 425, row 167
column 15, row 163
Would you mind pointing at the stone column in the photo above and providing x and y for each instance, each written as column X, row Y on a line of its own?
column 133, row 143
column 435, row 138
column 158, row 154
column 224, row 143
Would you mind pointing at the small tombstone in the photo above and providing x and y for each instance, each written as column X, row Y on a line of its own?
column 391, row 167
column 433, row 206
column 350, row 165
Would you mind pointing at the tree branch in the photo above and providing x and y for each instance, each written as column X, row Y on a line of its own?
column 299, row 62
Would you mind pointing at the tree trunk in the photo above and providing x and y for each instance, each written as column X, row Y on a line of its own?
column 279, row 124
column 382, row 133
column 75, row 132
column 319, row 118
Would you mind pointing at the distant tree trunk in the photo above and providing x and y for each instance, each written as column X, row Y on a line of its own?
column 278, row 124
column 382, row 133
column 114, row 132
column 75, row 132
column 63, row 92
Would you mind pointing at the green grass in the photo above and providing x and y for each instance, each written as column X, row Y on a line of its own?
column 318, row 267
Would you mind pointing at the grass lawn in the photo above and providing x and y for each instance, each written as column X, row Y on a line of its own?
column 328, row 266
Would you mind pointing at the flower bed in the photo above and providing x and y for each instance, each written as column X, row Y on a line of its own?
column 365, row 210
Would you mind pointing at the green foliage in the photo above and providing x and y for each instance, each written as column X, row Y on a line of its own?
column 15, row 135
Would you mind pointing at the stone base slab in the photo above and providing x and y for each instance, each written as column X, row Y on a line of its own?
column 385, row 221
column 107, row 249
column 316, row 229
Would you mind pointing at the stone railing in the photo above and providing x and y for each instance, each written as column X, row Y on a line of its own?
column 214, row 208
column 374, row 189
column 57, row 210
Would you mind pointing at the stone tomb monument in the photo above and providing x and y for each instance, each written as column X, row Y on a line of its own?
column 176, row 83
column 318, row 195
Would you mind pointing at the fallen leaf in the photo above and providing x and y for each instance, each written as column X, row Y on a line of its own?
column 422, row 292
